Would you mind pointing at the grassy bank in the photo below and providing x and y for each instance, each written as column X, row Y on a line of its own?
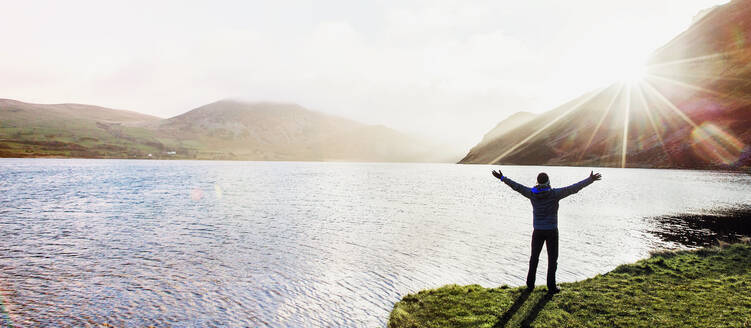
column 710, row 287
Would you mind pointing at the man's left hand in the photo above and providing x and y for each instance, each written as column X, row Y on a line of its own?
column 595, row 176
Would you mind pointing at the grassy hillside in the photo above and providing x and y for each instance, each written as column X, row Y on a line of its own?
column 74, row 130
column 709, row 287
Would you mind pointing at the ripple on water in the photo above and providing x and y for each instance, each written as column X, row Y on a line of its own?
column 195, row 244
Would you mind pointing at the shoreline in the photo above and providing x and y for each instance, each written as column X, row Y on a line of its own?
column 729, row 224
column 740, row 169
column 705, row 287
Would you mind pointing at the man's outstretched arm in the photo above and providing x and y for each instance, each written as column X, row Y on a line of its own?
column 525, row 191
column 574, row 188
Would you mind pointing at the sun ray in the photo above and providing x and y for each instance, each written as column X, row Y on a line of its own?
column 564, row 114
column 706, row 76
column 651, row 120
column 695, row 59
column 625, row 126
column 648, row 111
column 670, row 104
column 602, row 119
column 688, row 85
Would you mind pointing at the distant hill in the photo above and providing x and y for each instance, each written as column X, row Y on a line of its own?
column 221, row 130
column 692, row 110
column 25, row 113
column 275, row 131
column 73, row 130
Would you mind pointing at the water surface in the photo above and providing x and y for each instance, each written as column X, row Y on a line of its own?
column 281, row 244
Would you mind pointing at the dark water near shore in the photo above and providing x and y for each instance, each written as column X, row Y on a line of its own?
column 194, row 244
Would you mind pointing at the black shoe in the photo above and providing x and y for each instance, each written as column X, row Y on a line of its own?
column 529, row 289
column 554, row 290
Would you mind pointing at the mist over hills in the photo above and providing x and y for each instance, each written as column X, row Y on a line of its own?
column 225, row 129
column 692, row 109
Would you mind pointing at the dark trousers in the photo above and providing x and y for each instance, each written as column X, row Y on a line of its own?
column 550, row 239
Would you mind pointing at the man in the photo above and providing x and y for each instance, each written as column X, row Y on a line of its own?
column 545, row 220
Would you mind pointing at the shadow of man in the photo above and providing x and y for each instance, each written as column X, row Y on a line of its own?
column 532, row 315
column 512, row 310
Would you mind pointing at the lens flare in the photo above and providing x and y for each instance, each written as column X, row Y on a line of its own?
column 714, row 145
column 196, row 194
column 218, row 191
column 5, row 320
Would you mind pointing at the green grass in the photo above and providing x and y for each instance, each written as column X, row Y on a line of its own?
column 84, row 139
column 710, row 287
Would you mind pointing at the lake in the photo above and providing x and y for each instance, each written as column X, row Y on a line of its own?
column 289, row 244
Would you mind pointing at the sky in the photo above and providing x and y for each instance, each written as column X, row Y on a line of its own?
column 447, row 70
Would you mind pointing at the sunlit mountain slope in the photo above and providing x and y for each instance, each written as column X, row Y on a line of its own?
column 690, row 109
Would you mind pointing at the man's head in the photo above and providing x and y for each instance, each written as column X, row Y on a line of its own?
column 542, row 178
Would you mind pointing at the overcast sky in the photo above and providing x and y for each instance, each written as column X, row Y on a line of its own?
column 449, row 70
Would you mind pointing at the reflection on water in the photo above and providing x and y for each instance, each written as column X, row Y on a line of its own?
column 194, row 244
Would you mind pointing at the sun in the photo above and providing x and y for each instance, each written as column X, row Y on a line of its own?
column 628, row 69
column 632, row 73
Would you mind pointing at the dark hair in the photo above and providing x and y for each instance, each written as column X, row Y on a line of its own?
column 542, row 178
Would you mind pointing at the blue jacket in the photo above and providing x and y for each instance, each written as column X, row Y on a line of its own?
column 545, row 200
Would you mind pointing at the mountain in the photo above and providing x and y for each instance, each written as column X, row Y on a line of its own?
column 691, row 110
column 221, row 130
column 512, row 122
column 275, row 131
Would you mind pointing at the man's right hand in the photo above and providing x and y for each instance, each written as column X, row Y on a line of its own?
column 498, row 174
